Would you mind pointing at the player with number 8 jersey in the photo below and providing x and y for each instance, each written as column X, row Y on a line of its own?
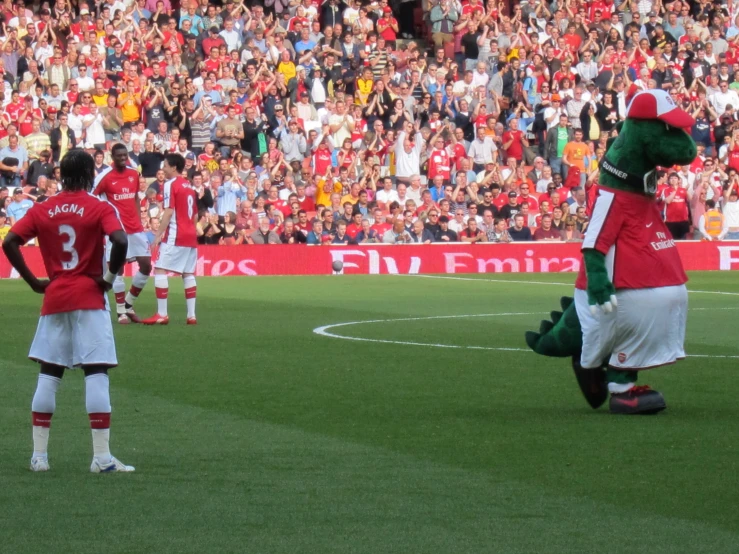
column 180, row 196
column 178, row 235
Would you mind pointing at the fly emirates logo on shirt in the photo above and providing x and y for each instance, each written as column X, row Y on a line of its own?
column 126, row 194
column 662, row 242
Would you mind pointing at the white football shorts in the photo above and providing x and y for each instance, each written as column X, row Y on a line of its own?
column 178, row 259
column 138, row 247
column 646, row 330
column 73, row 339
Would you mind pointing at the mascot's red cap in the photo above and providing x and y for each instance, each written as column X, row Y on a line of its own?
column 657, row 104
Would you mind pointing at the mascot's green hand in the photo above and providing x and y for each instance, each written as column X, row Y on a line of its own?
column 601, row 293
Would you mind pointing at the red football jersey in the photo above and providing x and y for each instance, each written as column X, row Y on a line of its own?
column 628, row 229
column 677, row 210
column 180, row 196
column 71, row 228
column 120, row 189
column 321, row 161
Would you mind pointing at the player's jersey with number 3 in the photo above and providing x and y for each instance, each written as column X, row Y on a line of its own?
column 71, row 228
column 181, row 197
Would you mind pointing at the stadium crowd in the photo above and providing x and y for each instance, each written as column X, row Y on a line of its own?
column 340, row 121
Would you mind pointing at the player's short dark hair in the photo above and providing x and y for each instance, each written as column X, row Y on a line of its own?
column 78, row 170
column 118, row 146
column 176, row 161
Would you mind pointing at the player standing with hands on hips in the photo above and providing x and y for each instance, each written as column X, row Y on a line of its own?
column 178, row 235
column 74, row 329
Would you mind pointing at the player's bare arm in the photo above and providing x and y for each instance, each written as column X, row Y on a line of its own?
column 12, row 248
column 166, row 218
column 119, row 241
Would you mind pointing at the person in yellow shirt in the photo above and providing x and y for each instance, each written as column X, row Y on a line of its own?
column 353, row 196
column 130, row 103
column 365, row 85
column 4, row 228
column 286, row 66
column 100, row 95
column 327, row 186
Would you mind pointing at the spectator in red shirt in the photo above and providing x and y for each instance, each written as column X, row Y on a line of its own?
column 514, row 141
column 472, row 233
column 355, row 226
column 676, row 211
column 546, row 232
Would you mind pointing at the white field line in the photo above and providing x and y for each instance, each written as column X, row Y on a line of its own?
column 324, row 331
column 548, row 283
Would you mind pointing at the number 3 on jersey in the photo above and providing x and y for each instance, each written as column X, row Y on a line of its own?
column 69, row 246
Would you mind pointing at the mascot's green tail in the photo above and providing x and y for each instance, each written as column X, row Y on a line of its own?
column 561, row 337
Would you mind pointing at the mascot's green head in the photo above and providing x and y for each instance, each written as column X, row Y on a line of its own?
column 652, row 135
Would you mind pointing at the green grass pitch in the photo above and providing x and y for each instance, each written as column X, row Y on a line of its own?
column 250, row 433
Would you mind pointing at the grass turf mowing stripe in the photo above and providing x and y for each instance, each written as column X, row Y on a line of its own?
column 324, row 332
column 520, row 282
column 504, row 422
column 209, row 482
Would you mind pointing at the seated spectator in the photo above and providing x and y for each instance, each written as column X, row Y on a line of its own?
column 397, row 234
column 315, row 236
column 570, row 232
column 500, row 231
column 420, row 234
column 519, row 231
column 472, row 233
column 341, row 236
column 445, row 234
column 546, row 232
column 264, row 235
column 290, row 235
column 367, row 235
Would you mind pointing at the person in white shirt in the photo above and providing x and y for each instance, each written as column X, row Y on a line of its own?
column 75, row 123
column 723, row 98
column 457, row 224
column 93, row 124
column 481, row 77
column 386, row 195
column 230, row 35
column 413, row 192
column 84, row 81
column 730, row 209
column 463, row 89
column 687, row 177
column 138, row 132
column 587, row 68
column 408, row 154
column 340, row 123
column 482, row 150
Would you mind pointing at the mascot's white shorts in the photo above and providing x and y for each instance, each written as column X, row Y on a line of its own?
column 646, row 330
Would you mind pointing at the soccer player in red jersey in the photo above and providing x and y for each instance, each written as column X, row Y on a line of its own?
column 178, row 235
column 74, row 329
column 119, row 185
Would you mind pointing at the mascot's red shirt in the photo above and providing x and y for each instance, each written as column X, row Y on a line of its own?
column 628, row 229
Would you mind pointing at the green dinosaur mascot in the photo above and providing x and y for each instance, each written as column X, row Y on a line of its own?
column 630, row 305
